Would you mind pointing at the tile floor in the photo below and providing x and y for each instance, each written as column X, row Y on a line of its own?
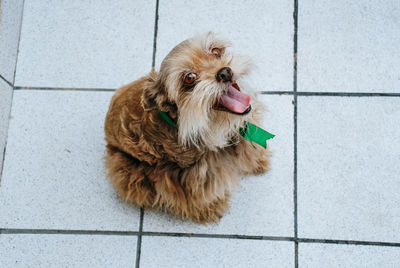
column 332, row 198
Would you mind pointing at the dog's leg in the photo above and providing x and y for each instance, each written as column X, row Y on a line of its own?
column 212, row 212
column 188, row 194
column 162, row 190
column 202, row 212
column 251, row 160
column 128, row 177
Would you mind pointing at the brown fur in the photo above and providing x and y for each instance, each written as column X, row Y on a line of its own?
column 151, row 164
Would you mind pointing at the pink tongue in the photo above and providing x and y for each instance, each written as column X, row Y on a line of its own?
column 235, row 100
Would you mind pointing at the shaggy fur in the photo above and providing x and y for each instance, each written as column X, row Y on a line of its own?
column 190, row 170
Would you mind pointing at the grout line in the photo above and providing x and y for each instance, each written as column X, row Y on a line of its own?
column 13, row 88
column 295, row 93
column 19, row 40
column 2, row 161
column 5, row 80
column 65, row 88
column 276, row 92
column 349, row 94
column 328, row 94
column 141, row 233
column 153, row 62
column 198, row 235
column 65, row 232
column 332, row 94
column 221, row 236
column 348, row 242
column 139, row 239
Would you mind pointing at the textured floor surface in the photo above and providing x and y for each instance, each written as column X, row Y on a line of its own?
column 328, row 71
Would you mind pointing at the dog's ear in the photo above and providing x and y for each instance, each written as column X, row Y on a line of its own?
column 149, row 99
column 152, row 89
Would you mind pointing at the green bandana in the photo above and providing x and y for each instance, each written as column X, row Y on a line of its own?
column 252, row 133
column 249, row 132
column 167, row 119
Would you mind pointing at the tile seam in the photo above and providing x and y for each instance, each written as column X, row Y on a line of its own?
column 139, row 239
column 6, row 81
column 143, row 233
column 198, row 235
column 12, row 93
column 298, row 93
column 295, row 212
column 348, row 94
column 65, row 89
column 348, row 242
column 153, row 62
column 19, row 41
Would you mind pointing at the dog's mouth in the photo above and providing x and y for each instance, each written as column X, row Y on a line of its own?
column 234, row 101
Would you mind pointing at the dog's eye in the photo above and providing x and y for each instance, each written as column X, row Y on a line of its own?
column 189, row 78
column 216, row 51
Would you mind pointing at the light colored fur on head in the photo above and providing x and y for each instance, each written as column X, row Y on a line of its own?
column 199, row 124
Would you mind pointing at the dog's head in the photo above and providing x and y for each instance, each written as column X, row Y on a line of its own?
column 198, row 83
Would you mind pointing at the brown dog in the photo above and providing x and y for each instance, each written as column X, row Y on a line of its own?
column 187, row 166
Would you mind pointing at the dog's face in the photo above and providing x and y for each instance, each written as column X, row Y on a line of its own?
column 201, row 78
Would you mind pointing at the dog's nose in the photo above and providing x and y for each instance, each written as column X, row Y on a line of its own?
column 225, row 75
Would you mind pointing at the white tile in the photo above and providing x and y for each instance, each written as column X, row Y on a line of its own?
column 5, row 106
column 95, row 44
column 41, row 250
column 53, row 171
column 261, row 30
column 10, row 22
column 212, row 252
column 262, row 205
column 348, row 168
column 333, row 255
column 349, row 46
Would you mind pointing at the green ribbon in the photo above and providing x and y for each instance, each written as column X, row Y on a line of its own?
column 252, row 133
column 249, row 132
column 167, row 119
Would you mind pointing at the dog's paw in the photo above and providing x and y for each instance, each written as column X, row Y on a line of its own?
column 213, row 217
column 213, row 213
column 262, row 166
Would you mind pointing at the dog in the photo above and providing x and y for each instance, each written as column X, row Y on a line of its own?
column 172, row 136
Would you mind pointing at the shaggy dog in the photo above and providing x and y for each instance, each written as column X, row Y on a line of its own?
column 188, row 165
